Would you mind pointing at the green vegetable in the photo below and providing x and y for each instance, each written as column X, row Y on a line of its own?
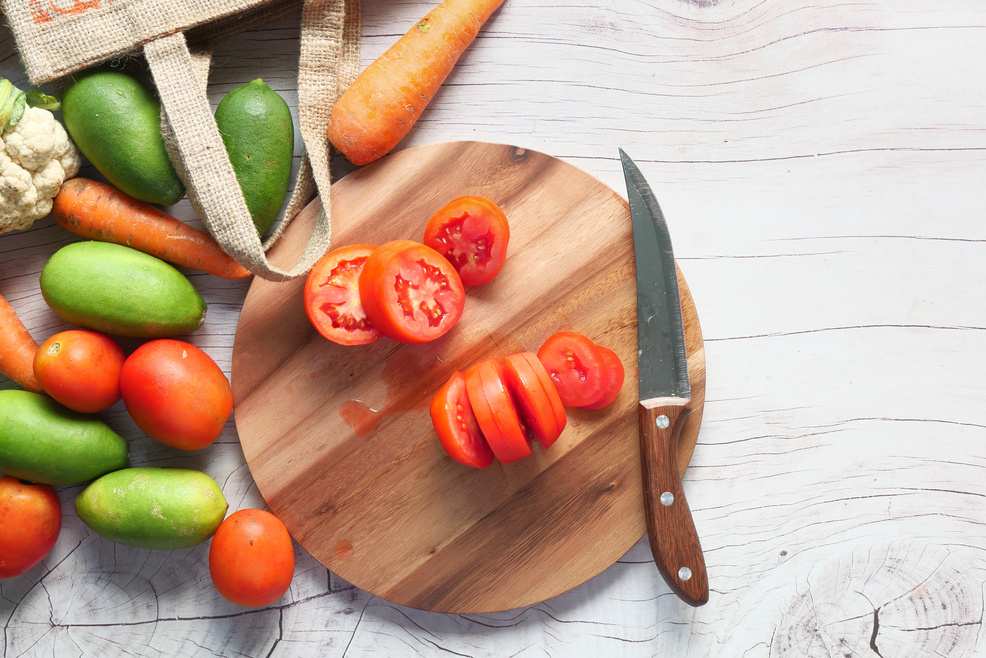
column 13, row 102
column 159, row 508
column 121, row 291
column 115, row 121
column 42, row 441
column 255, row 124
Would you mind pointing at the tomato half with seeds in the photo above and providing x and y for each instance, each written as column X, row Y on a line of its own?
column 538, row 402
column 575, row 366
column 472, row 233
column 495, row 411
column 30, row 520
column 332, row 300
column 456, row 425
column 410, row 292
column 614, row 379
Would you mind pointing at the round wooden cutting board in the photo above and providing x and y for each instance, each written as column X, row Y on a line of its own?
column 339, row 439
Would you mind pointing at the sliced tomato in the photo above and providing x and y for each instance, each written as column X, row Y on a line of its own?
column 332, row 300
column 456, row 425
column 410, row 292
column 495, row 411
column 614, row 379
column 537, row 400
column 575, row 366
column 472, row 233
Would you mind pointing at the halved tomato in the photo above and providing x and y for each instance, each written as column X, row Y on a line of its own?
column 495, row 411
column 332, row 296
column 575, row 366
column 537, row 400
column 410, row 292
column 472, row 233
column 614, row 379
column 456, row 426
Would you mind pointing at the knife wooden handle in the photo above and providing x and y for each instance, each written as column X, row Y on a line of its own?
column 670, row 528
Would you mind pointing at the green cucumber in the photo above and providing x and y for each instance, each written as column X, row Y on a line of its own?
column 42, row 441
column 120, row 291
column 256, row 127
column 116, row 122
column 159, row 508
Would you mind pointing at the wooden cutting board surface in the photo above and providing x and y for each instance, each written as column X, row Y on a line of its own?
column 339, row 439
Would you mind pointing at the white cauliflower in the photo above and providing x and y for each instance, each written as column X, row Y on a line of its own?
column 36, row 157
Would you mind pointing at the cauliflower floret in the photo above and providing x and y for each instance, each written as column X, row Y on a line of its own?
column 36, row 157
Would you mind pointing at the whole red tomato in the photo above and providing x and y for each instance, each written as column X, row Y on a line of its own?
column 30, row 520
column 80, row 369
column 251, row 558
column 176, row 393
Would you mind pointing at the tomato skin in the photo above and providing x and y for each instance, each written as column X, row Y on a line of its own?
column 251, row 558
column 538, row 402
column 615, row 374
column 575, row 366
column 472, row 233
column 176, row 393
column 410, row 292
column 332, row 300
column 456, row 425
column 30, row 520
column 80, row 369
column 495, row 411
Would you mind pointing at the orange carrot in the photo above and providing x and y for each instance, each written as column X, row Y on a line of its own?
column 385, row 100
column 17, row 349
column 98, row 211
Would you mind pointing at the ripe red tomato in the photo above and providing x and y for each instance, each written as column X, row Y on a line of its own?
column 456, row 425
column 332, row 296
column 251, row 558
column 472, row 233
column 80, row 369
column 537, row 400
column 30, row 520
column 410, row 292
column 176, row 393
column 614, row 379
column 495, row 411
column 575, row 366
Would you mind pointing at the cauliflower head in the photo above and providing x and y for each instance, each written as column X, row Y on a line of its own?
column 36, row 157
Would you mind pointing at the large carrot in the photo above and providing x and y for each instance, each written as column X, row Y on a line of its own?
column 98, row 211
column 385, row 100
column 17, row 349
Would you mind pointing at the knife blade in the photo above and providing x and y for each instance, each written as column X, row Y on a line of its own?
column 665, row 395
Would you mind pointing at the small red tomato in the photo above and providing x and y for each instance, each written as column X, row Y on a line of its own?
column 176, row 393
column 30, row 520
column 456, row 426
column 495, row 411
column 472, row 233
column 80, row 369
column 614, row 379
column 251, row 558
column 537, row 400
column 332, row 296
column 410, row 292
column 575, row 366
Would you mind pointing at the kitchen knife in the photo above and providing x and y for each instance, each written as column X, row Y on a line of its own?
column 665, row 395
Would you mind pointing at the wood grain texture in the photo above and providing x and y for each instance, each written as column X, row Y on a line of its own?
column 339, row 439
column 820, row 165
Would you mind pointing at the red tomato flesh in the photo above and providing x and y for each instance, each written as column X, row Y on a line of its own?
column 472, row 233
column 538, row 402
column 410, row 292
column 614, row 379
column 332, row 299
column 575, row 366
column 495, row 411
column 456, row 425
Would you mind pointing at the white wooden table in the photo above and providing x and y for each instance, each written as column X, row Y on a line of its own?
column 822, row 168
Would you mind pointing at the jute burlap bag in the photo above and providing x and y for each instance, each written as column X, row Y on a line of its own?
column 58, row 37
